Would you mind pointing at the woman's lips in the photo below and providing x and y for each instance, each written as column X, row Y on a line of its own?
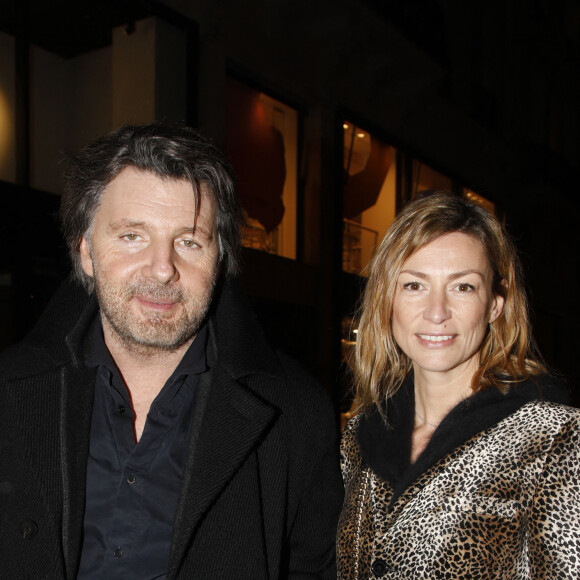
column 436, row 340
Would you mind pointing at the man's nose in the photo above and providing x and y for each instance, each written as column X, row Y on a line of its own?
column 160, row 263
column 437, row 307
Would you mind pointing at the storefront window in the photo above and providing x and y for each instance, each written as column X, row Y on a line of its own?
column 369, row 196
column 262, row 146
column 425, row 178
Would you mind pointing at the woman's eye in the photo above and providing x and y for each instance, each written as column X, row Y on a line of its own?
column 190, row 243
column 412, row 286
column 463, row 287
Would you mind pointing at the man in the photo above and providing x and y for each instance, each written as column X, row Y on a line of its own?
column 147, row 429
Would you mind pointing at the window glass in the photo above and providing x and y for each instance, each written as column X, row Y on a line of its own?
column 369, row 196
column 262, row 146
column 425, row 178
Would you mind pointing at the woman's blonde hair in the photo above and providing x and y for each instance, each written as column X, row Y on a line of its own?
column 507, row 353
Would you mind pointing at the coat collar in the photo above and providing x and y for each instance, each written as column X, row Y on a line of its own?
column 237, row 338
column 387, row 449
column 49, row 344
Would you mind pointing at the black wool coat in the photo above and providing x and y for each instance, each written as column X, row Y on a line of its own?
column 261, row 490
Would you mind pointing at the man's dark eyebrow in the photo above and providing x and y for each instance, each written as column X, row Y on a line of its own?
column 195, row 229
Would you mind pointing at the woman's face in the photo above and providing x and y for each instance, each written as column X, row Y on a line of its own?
column 443, row 304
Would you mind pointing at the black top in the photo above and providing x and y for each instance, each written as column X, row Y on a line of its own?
column 132, row 488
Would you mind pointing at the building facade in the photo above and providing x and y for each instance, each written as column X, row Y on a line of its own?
column 333, row 114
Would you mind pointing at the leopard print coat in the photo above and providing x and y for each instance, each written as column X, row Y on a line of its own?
column 502, row 501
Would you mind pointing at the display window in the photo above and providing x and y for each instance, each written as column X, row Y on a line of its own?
column 369, row 195
column 262, row 147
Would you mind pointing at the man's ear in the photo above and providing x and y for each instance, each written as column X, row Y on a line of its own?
column 86, row 260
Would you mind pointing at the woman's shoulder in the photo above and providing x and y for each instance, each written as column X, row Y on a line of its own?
column 551, row 430
column 537, row 401
column 550, row 413
column 547, row 424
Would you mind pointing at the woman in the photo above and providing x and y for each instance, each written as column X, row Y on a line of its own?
column 462, row 462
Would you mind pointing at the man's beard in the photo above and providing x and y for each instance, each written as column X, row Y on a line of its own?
column 151, row 331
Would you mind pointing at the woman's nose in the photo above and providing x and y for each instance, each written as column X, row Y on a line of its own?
column 437, row 308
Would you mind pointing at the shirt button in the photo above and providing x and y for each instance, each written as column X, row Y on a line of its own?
column 379, row 568
column 28, row 529
column 121, row 409
column 131, row 479
column 117, row 552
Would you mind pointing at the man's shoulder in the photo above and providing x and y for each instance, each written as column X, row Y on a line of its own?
column 295, row 391
column 240, row 346
column 24, row 360
column 297, row 377
column 44, row 347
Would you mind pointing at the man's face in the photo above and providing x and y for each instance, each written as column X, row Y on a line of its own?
column 154, row 274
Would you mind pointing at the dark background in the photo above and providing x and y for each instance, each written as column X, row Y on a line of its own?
column 485, row 92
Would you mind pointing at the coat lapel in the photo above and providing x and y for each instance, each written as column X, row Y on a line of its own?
column 228, row 424
column 77, row 388
column 77, row 394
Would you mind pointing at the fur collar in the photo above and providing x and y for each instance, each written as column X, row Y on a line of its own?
column 387, row 449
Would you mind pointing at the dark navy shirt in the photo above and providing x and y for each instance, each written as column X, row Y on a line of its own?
column 133, row 488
